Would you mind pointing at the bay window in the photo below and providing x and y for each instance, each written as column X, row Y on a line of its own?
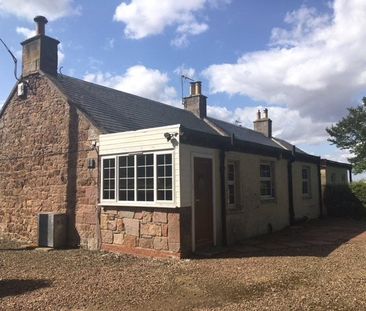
column 144, row 177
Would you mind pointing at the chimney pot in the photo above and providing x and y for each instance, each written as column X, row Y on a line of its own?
column 41, row 22
column 258, row 114
column 193, row 89
column 265, row 113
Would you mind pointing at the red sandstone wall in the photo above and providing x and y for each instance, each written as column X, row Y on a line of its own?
column 44, row 145
column 142, row 231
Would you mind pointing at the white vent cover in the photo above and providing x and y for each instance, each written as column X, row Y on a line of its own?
column 21, row 89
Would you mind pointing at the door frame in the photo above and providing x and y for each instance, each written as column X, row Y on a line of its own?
column 212, row 158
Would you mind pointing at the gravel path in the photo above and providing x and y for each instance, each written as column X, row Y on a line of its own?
column 315, row 277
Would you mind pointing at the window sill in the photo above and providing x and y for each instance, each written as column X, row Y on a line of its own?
column 306, row 197
column 138, row 204
column 268, row 199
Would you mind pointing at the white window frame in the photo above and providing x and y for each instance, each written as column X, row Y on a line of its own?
column 271, row 179
column 102, row 179
column 155, row 202
column 235, row 183
column 307, row 180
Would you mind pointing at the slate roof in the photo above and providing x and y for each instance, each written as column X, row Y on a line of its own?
column 115, row 111
column 244, row 133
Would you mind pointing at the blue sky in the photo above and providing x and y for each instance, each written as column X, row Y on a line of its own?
column 302, row 59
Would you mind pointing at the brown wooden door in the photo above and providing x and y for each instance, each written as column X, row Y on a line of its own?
column 203, row 204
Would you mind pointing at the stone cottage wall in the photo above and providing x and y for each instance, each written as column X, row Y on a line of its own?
column 44, row 144
column 146, row 231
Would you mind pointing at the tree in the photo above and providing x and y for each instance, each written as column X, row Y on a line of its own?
column 350, row 134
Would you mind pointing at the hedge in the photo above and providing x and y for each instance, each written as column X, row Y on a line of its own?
column 346, row 200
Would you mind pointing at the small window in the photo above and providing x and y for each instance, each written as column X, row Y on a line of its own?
column 266, row 180
column 109, row 177
column 232, row 184
column 305, row 172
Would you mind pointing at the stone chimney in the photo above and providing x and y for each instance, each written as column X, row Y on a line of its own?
column 196, row 102
column 40, row 51
column 263, row 125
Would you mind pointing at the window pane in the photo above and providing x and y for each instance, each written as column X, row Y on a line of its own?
column 140, row 160
column 149, row 171
column 161, row 195
column 160, row 183
column 231, row 194
column 168, row 170
column 122, row 173
column 265, row 170
column 122, row 161
column 168, row 158
column 123, row 195
column 131, row 183
column 160, row 171
column 149, row 159
column 141, row 195
column 169, row 195
column 305, row 188
column 122, row 184
column 150, row 195
column 231, row 173
column 304, row 173
column 131, row 161
column 265, row 188
column 140, row 183
column 168, row 183
column 149, row 183
column 131, row 195
column 160, row 159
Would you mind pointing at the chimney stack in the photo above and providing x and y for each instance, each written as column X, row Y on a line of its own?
column 40, row 51
column 196, row 102
column 263, row 125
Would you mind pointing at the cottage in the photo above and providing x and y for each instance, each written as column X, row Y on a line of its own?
column 137, row 176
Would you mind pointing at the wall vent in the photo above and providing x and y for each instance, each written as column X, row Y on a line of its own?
column 21, row 89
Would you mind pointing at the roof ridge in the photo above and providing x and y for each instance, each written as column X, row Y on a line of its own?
column 240, row 127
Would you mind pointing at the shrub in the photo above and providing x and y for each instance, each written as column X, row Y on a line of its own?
column 346, row 200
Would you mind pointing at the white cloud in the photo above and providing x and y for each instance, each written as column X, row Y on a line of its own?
column 316, row 67
column 186, row 71
column 144, row 18
column 139, row 80
column 287, row 124
column 26, row 32
column 29, row 9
